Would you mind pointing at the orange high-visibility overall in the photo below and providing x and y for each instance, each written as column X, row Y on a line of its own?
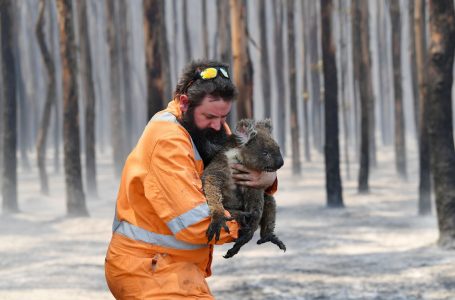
column 159, row 245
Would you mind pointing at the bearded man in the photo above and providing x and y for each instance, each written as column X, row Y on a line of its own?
column 159, row 246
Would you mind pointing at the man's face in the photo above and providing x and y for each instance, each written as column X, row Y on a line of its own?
column 211, row 113
column 205, row 123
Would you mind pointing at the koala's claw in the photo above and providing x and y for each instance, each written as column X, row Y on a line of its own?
column 215, row 226
column 273, row 239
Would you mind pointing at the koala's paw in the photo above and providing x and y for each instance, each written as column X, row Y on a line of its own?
column 215, row 226
column 273, row 239
column 243, row 218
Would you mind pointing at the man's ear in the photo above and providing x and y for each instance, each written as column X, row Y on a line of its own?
column 184, row 103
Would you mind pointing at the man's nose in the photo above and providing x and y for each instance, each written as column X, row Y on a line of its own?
column 216, row 125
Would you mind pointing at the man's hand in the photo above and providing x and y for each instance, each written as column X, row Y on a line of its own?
column 252, row 178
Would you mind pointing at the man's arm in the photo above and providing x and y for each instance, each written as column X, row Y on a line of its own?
column 178, row 199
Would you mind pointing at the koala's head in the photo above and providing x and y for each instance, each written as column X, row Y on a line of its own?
column 258, row 149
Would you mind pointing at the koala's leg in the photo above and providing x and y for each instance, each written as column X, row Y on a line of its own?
column 253, row 203
column 212, row 186
column 268, row 223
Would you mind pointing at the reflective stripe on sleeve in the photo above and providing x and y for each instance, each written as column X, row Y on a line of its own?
column 168, row 117
column 163, row 240
column 189, row 218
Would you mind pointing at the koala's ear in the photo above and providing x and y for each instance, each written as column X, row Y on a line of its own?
column 245, row 130
column 265, row 124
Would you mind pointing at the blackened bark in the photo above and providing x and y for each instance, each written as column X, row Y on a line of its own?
column 125, row 61
column 154, row 20
column 424, row 205
column 439, row 114
column 343, row 38
column 413, row 59
column 9, row 181
column 279, row 72
column 117, row 134
column 365, row 84
column 89, row 88
column 294, row 120
column 75, row 198
column 306, row 93
column 243, row 67
column 186, row 33
column 331, row 148
column 315, row 78
column 265, row 69
column 50, row 100
column 400, row 139
column 205, row 30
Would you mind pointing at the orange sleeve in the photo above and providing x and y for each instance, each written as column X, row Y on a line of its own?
column 174, row 189
column 273, row 188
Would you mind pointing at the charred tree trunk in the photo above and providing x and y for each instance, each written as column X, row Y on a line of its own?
column 75, row 198
column 243, row 67
column 413, row 59
column 294, row 120
column 400, row 139
column 343, row 37
column 424, row 206
column 279, row 72
column 361, row 8
column 315, row 79
column 440, row 130
column 331, row 148
column 89, row 88
column 306, row 93
column 118, row 140
column 125, row 61
column 50, row 100
column 205, row 31
column 186, row 32
column 9, row 181
column 265, row 70
column 154, row 21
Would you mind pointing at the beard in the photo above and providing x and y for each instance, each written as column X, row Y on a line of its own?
column 208, row 141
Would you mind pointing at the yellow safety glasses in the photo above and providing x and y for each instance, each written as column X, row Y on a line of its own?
column 212, row 72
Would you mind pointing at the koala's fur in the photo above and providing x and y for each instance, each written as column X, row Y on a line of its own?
column 252, row 145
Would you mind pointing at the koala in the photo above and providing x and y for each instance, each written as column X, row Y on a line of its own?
column 251, row 145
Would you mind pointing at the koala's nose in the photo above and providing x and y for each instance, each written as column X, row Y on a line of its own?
column 279, row 162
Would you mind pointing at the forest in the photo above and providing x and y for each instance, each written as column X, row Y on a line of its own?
column 361, row 97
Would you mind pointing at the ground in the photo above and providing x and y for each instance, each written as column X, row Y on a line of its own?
column 374, row 248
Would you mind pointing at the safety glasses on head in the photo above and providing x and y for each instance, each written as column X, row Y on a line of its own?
column 213, row 72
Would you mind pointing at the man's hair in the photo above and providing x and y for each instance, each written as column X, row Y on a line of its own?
column 197, row 88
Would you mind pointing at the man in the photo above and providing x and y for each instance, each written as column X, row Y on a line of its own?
column 159, row 246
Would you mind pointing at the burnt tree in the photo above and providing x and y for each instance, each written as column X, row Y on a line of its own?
column 278, row 16
column 424, row 204
column 117, row 134
column 89, row 90
column 306, row 93
column 400, row 139
column 75, row 198
column 331, row 147
column 50, row 99
column 154, row 22
column 294, row 121
column 243, row 67
column 8, row 57
column 439, row 114
column 265, row 67
column 365, row 87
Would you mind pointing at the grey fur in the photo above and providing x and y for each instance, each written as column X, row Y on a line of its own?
column 253, row 146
